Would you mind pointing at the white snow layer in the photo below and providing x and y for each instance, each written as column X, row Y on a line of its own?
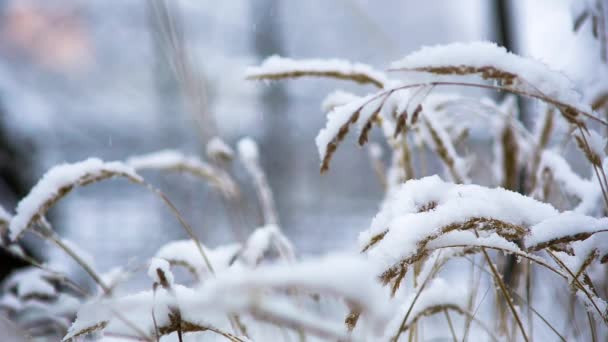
column 160, row 265
column 58, row 178
column 243, row 290
column 537, row 76
column 276, row 65
column 419, row 209
column 185, row 253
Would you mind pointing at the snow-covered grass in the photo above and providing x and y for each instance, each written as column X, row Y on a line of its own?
column 515, row 216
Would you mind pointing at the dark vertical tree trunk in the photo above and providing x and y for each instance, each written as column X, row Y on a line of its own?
column 14, row 184
column 274, row 145
column 505, row 35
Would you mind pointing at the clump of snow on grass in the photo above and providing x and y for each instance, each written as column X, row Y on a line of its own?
column 375, row 151
column 337, row 98
column 564, row 225
column 160, row 265
column 254, row 291
column 260, row 242
column 338, row 117
column 59, row 178
column 164, row 159
column 534, row 76
column 276, row 67
column 419, row 209
column 185, row 253
column 216, row 147
column 460, row 238
column 30, row 282
column 175, row 160
column 248, row 149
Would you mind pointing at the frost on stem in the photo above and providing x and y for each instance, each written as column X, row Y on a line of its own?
column 276, row 68
column 58, row 182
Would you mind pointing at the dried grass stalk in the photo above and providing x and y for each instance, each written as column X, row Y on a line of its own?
column 488, row 72
column 278, row 68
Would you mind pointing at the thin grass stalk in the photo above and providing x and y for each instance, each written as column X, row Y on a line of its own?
column 597, row 168
column 46, row 233
column 591, row 327
column 379, row 167
column 233, row 207
column 573, row 327
column 233, row 318
column 418, row 293
column 442, row 153
column 540, row 146
column 475, row 281
column 524, row 302
column 60, row 276
column 547, row 323
column 529, row 289
column 183, row 223
column 505, row 293
column 523, row 93
column 406, row 158
column 447, row 317
column 578, row 284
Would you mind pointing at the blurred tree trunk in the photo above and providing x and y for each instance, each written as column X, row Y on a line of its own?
column 14, row 184
column 505, row 35
column 276, row 152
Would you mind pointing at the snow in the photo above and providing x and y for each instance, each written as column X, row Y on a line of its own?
column 279, row 67
column 467, row 238
column 218, row 147
column 460, row 168
column 249, row 155
column 375, row 151
column 175, row 160
column 597, row 143
column 30, row 282
column 50, row 187
column 454, row 203
column 261, row 240
column 536, row 76
column 588, row 191
column 185, row 253
column 248, row 149
column 564, row 225
column 337, row 98
column 338, row 117
column 164, row 159
column 248, row 290
column 162, row 265
column 437, row 293
column 10, row 302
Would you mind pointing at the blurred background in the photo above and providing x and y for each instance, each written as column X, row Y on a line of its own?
column 111, row 79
